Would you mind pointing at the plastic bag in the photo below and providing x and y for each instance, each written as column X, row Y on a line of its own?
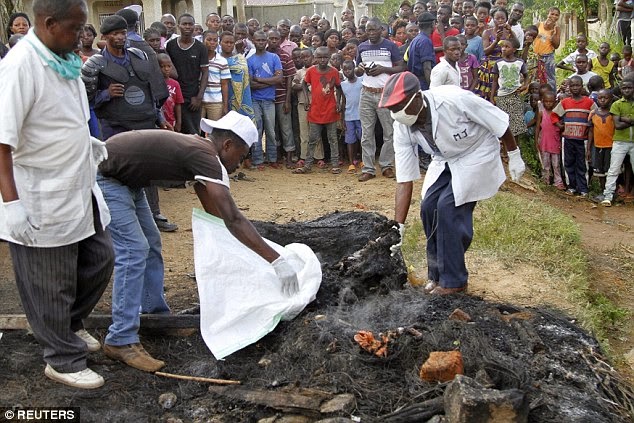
column 240, row 295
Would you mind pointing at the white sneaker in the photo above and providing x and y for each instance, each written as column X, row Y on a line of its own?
column 91, row 341
column 85, row 379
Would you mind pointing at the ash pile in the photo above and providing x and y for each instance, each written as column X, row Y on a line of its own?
column 368, row 338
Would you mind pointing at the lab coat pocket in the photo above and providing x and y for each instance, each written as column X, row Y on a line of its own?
column 60, row 200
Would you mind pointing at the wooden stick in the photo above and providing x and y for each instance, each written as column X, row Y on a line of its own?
column 199, row 379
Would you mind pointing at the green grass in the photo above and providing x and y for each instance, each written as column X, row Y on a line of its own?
column 516, row 230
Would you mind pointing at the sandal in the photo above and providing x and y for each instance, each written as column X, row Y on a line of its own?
column 301, row 170
column 321, row 164
column 300, row 163
column 261, row 167
column 352, row 169
column 335, row 170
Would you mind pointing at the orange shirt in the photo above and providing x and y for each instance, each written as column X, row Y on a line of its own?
column 543, row 42
column 602, row 128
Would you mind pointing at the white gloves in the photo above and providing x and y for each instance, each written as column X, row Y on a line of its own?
column 287, row 276
column 516, row 165
column 397, row 247
column 99, row 152
column 20, row 225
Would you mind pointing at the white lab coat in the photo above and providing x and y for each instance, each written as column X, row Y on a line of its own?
column 45, row 121
column 466, row 129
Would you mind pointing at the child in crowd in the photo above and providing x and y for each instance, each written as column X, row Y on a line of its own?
column 623, row 141
column 602, row 66
column 198, row 32
column 581, row 63
column 564, row 90
column 600, row 136
column 351, row 89
column 323, row 108
column 507, row 83
column 474, row 41
column 306, row 62
column 468, row 65
column 529, row 57
column 548, row 140
column 349, row 52
column 216, row 97
column 567, row 62
column 316, row 41
column 626, row 65
column 457, row 22
column 336, row 60
column 575, row 111
column 172, row 107
column 595, row 84
column 530, row 114
column 152, row 36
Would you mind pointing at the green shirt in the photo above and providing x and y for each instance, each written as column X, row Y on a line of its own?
column 623, row 108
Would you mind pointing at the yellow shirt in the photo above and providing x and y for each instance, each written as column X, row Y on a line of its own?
column 543, row 43
column 603, row 71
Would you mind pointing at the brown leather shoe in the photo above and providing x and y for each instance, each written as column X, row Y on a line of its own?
column 134, row 355
column 439, row 290
column 366, row 177
column 388, row 172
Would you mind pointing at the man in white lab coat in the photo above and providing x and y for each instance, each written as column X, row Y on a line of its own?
column 461, row 131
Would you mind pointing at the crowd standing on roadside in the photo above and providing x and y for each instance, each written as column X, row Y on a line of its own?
column 312, row 95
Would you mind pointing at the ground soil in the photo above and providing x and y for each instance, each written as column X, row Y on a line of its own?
column 275, row 195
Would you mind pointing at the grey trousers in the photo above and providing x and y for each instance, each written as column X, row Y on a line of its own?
column 59, row 287
column 369, row 112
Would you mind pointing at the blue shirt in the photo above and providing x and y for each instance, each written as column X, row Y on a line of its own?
column 420, row 50
column 475, row 47
column 352, row 93
column 264, row 66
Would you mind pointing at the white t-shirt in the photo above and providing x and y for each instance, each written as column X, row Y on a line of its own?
column 444, row 74
column 46, row 125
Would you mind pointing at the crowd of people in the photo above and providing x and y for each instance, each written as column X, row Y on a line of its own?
column 293, row 95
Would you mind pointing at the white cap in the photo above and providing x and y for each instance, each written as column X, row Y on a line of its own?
column 233, row 121
column 138, row 9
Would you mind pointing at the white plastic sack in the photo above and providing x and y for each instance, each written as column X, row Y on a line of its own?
column 240, row 295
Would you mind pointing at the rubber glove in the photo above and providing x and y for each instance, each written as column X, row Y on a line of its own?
column 287, row 276
column 516, row 165
column 397, row 247
column 21, row 226
column 99, row 152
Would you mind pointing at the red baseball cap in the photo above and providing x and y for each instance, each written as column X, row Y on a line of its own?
column 398, row 87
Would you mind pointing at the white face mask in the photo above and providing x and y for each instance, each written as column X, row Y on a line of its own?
column 403, row 117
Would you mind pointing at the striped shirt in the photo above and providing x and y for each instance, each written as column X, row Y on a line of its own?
column 575, row 114
column 218, row 70
column 288, row 71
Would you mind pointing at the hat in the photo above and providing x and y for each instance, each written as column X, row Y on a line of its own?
column 398, row 87
column 426, row 17
column 113, row 23
column 233, row 121
column 130, row 16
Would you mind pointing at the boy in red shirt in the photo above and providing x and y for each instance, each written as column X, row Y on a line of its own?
column 172, row 107
column 575, row 111
column 323, row 107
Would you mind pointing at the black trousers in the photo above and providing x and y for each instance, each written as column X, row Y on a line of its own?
column 59, row 287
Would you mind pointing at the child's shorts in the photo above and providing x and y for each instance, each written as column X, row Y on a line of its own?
column 353, row 131
column 601, row 160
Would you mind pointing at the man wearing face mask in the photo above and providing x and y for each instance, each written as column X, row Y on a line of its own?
column 461, row 131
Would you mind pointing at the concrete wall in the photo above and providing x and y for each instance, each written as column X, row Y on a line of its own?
column 329, row 10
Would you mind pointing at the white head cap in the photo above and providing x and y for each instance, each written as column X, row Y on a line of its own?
column 233, row 121
column 138, row 9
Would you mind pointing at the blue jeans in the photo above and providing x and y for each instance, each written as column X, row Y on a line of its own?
column 138, row 266
column 265, row 118
column 449, row 231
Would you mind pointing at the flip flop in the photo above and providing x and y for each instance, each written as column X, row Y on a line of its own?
column 352, row 169
column 321, row 164
column 335, row 170
column 301, row 170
